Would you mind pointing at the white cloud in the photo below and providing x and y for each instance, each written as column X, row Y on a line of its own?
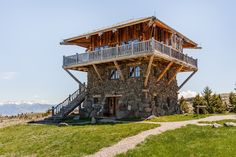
column 8, row 75
column 187, row 94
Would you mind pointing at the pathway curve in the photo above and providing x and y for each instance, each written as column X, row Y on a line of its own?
column 130, row 142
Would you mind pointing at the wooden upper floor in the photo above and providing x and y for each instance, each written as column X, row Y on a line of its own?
column 133, row 30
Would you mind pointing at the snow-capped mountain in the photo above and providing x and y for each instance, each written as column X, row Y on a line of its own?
column 14, row 108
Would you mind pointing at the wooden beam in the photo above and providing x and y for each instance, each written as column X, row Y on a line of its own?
column 148, row 70
column 80, row 83
column 164, row 71
column 96, row 70
column 173, row 77
column 187, row 79
column 119, row 71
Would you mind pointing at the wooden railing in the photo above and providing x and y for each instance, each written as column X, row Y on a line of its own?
column 148, row 46
column 57, row 109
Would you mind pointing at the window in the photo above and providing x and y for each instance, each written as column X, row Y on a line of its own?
column 134, row 71
column 137, row 71
column 114, row 75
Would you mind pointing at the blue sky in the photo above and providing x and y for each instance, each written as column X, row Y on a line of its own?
column 31, row 57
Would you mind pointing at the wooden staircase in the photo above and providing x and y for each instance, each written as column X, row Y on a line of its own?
column 69, row 104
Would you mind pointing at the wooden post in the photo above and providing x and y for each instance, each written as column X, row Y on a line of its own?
column 148, row 70
column 64, row 58
column 132, row 47
column 173, row 77
column 96, row 70
column 77, row 58
column 153, row 43
column 164, row 71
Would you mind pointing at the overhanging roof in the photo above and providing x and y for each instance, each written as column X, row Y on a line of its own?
column 159, row 23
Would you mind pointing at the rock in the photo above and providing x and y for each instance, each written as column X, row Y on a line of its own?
column 93, row 120
column 62, row 124
column 148, row 109
column 229, row 124
column 151, row 117
column 216, row 125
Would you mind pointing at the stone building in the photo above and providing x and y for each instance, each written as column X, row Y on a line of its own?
column 131, row 70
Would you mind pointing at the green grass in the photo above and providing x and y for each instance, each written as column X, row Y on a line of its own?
column 48, row 140
column 219, row 122
column 178, row 117
column 189, row 141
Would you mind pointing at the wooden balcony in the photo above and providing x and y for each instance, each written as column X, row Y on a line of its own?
column 128, row 51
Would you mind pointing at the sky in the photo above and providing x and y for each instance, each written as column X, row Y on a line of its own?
column 31, row 56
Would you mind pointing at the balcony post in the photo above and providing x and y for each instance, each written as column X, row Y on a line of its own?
column 64, row 60
column 77, row 58
column 132, row 47
column 152, row 43
column 117, row 50
column 101, row 54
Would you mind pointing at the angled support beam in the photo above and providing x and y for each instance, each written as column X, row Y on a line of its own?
column 80, row 83
column 119, row 71
column 164, row 71
column 173, row 77
column 148, row 70
column 96, row 70
column 191, row 75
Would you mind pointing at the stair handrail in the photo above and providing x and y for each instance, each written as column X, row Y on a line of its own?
column 70, row 98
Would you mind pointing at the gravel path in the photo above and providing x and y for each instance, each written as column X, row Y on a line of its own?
column 130, row 142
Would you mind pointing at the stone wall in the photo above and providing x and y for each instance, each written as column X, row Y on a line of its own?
column 134, row 100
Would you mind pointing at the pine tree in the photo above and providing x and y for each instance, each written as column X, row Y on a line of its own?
column 232, row 100
column 207, row 94
column 217, row 104
column 198, row 101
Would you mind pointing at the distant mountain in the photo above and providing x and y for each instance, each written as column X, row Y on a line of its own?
column 16, row 108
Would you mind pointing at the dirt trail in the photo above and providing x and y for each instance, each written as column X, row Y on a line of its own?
column 130, row 142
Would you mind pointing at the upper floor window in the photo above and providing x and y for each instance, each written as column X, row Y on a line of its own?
column 134, row 71
column 114, row 74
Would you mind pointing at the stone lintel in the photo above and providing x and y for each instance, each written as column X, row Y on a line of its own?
column 113, row 95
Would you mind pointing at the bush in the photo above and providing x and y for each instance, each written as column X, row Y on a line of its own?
column 184, row 105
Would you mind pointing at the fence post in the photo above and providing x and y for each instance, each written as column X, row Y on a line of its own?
column 53, row 111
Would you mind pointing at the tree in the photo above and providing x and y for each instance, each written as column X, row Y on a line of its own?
column 198, row 101
column 184, row 105
column 217, row 104
column 232, row 100
column 207, row 95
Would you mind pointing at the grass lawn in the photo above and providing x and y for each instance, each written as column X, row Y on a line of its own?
column 48, row 140
column 189, row 141
column 178, row 117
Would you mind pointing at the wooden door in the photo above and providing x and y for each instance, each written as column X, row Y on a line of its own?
column 112, row 104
